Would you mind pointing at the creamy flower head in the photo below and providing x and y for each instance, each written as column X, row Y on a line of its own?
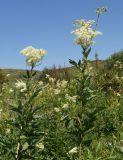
column 84, row 33
column 11, row 90
column 40, row 145
column 80, row 23
column 56, row 109
column 57, row 91
column 65, row 106
column 71, row 98
column 21, row 85
column 8, row 75
column 33, row 55
column 73, row 150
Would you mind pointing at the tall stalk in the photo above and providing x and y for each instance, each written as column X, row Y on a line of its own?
column 85, row 38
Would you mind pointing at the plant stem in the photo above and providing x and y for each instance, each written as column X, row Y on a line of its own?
column 80, row 151
column 17, row 151
column 82, row 102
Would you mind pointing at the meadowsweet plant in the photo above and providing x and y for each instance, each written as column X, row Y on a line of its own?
column 85, row 115
column 53, row 116
column 24, row 137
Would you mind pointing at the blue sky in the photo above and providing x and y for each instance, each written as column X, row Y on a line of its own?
column 48, row 24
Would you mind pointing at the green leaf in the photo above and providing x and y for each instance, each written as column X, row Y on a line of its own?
column 79, row 63
column 71, row 123
column 72, row 62
column 34, row 95
column 23, row 76
column 36, row 109
column 87, row 142
column 17, row 110
column 34, row 73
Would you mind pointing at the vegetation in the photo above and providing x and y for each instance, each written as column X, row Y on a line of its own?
column 59, row 117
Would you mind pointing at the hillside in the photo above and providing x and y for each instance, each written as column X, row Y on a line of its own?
column 54, row 72
column 67, row 72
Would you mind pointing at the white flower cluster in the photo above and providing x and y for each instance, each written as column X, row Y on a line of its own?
column 65, row 106
column 62, row 84
column 33, row 55
column 71, row 98
column 84, row 33
column 52, row 80
column 8, row 75
column 40, row 146
column 118, row 65
column 11, row 90
column 73, row 150
column 21, row 85
column 8, row 130
column 89, row 70
column 56, row 91
column 56, row 109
